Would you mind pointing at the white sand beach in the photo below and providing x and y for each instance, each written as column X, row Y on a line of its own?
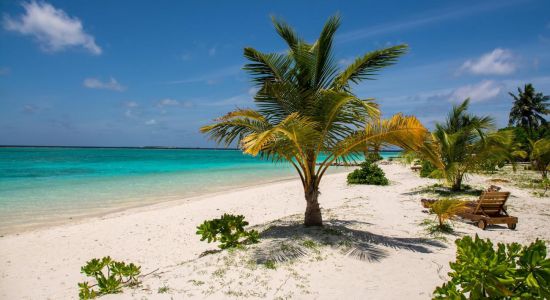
column 397, row 258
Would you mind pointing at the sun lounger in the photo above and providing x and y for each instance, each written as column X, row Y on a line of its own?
column 416, row 168
column 490, row 209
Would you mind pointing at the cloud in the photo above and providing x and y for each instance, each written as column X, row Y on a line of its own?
column 112, row 84
column 211, row 77
column 51, row 27
column 482, row 91
column 172, row 102
column 4, row 71
column 434, row 16
column 30, row 109
column 498, row 62
column 212, row 51
column 151, row 122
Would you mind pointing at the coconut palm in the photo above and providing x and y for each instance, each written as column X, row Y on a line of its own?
column 529, row 110
column 307, row 113
column 462, row 143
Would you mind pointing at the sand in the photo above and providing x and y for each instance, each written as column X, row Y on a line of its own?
column 373, row 245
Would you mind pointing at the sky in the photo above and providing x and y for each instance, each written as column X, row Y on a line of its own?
column 151, row 73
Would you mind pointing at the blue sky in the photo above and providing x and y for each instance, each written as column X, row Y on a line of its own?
column 138, row 73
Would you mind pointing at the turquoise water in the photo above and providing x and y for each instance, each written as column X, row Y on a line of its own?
column 45, row 185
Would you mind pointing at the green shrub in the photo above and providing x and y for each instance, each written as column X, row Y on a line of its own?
column 373, row 157
column 369, row 173
column 117, row 276
column 512, row 271
column 427, row 169
column 228, row 230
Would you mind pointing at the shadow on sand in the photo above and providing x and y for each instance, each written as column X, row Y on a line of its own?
column 288, row 240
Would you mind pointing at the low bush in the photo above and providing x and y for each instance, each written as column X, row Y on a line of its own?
column 445, row 209
column 369, row 173
column 373, row 157
column 228, row 230
column 512, row 271
column 110, row 276
column 427, row 169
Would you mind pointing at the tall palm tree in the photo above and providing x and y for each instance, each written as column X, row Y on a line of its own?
column 462, row 143
column 306, row 112
column 529, row 110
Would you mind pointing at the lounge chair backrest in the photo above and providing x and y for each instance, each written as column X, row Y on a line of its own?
column 492, row 203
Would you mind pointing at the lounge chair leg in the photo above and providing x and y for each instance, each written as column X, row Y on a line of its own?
column 512, row 226
column 481, row 224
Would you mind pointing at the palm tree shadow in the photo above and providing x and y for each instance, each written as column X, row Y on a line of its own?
column 289, row 240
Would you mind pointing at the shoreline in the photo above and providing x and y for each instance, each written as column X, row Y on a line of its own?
column 138, row 207
column 163, row 237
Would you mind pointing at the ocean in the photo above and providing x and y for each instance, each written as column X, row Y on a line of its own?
column 40, row 186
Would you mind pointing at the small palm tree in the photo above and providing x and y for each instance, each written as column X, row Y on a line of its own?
column 445, row 209
column 463, row 143
column 540, row 156
column 529, row 110
column 307, row 114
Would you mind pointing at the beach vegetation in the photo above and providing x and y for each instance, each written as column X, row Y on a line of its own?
column 228, row 230
column 163, row 289
column 270, row 264
column 368, row 173
column 110, row 276
column 307, row 114
column 540, row 156
column 529, row 110
column 462, row 143
column 373, row 156
column 511, row 271
column 446, row 209
column 427, row 170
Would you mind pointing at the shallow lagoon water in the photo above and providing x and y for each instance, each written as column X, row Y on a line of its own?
column 46, row 185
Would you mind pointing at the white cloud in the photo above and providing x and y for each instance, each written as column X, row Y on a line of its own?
column 51, row 27
column 253, row 91
column 168, row 102
column 482, row 91
column 151, row 122
column 498, row 62
column 131, row 104
column 4, row 71
column 212, row 77
column 212, row 51
column 112, row 84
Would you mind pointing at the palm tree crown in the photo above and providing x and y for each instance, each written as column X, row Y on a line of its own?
column 529, row 109
column 306, row 109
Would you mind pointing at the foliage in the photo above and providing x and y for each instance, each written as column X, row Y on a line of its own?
column 373, row 156
column 306, row 109
column 369, row 173
column 445, row 209
column 462, row 143
column 529, row 109
column 228, row 230
column 540, row 156
column 427, row 169
column 512, row 271
column 111, row 276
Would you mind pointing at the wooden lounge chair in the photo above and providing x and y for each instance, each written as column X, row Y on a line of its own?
column 416, row 168
column 490, row 209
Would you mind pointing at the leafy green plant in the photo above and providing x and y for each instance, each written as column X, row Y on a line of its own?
column 373, row 156
column 111, row 276
column 512, row 271
column 228, row 230
column 427, row 169
column 445, row 209
column 369, row 173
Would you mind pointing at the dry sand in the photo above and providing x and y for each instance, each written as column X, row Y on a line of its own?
column 372, row 247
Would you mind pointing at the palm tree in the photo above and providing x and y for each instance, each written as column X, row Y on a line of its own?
column 445, row 209
column 306, row 112
column 540, row 156
column 529, row 109
column 463, row 143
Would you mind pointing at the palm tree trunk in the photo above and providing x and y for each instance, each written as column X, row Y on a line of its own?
column 457, row 184
column 313, row 211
